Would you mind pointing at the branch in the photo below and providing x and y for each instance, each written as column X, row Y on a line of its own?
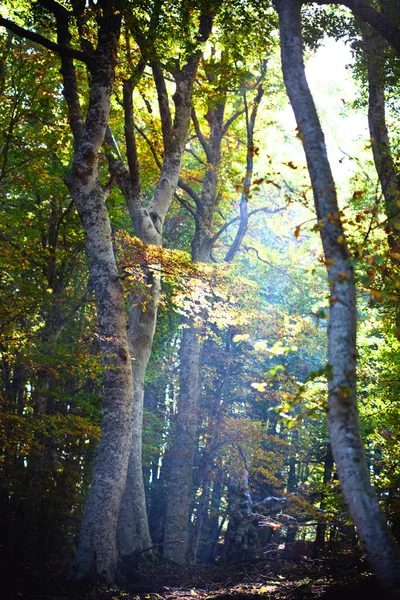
column 371, row 16
column 190, row 191
column 150, row 144
column 193, row 153
column 200, row 136
column 131, row 150
column 253, row 212
column 162, row 95
column 231, row 119
column 186, row 205
column 60, row 49
column 247, row 248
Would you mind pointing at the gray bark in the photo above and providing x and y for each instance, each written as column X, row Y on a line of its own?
column 379, row 21
column 182, row 451
column 343, row 423
column 179, row 490
column 374, row 47
column 133, row 532
column 96, row 555
column 389, row 179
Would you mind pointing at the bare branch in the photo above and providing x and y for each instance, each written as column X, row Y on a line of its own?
column 193, row 153
column 266, row 262
column 231, row 120
column 226, row 225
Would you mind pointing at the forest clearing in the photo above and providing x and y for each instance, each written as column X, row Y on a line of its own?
column 200, row 299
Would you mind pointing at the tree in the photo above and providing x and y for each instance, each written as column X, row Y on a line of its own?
column 203, row 206
column 97, row 548
column 343, row 424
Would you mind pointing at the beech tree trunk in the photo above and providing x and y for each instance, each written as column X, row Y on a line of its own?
column 133, row 532
column 374, row 47
column 182, row 451
column 96, row 555
column 343, row 422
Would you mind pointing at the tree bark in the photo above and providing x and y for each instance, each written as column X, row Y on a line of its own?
column 378, row 21
column 374, row 47
column 343, row 422
column 96, row 555
column 179, row 491
column 133, row 532
column 182, row 451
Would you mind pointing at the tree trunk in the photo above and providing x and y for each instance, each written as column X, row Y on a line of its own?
column 180, row 483
column 343, row 423
column 96, row 555
column 321, row 526
column 374, row 47
column 241, row 534
column 133, row 531
column 182, row 451
column 177, row 519
column 148, row 224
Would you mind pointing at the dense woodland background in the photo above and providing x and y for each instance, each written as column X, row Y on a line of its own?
column 156, row 205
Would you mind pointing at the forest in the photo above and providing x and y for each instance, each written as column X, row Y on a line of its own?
column 199, row 299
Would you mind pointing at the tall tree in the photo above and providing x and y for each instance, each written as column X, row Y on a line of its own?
column 206, row 203
column 97, row 553
column 343, row 423
column 148, row 222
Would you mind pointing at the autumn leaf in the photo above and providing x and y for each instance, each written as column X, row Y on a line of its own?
column 376, row 294
column 259, row 386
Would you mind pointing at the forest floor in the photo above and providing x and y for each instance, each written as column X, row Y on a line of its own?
column 342, row 577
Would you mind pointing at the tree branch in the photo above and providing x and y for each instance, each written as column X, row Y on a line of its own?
column 150, row 144
column 162, row 94
column 200, row 136
column 231, row 119
column 46, row 43
column 185, row 205
column 253, row 212
column 131, row 150
column 190, row 191
column 370, row 15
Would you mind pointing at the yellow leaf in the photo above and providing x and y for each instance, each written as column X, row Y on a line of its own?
column 243, row 337
column 260, row 387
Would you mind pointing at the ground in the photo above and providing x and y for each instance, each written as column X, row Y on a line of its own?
column 341, row 577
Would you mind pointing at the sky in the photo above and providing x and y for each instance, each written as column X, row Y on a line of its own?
column 345, row 129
